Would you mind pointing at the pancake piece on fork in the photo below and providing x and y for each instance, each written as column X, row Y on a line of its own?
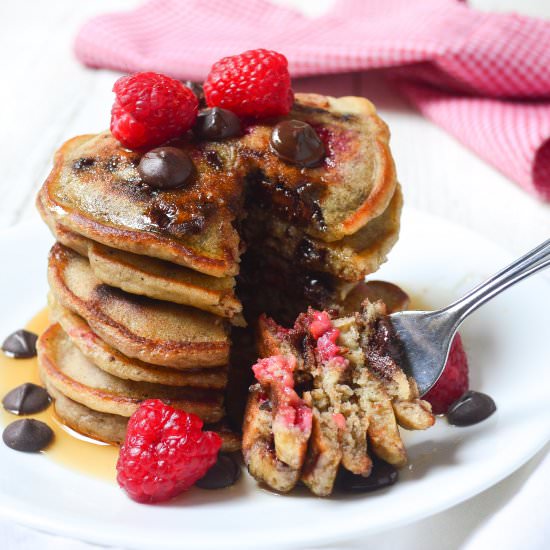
column 344, row 378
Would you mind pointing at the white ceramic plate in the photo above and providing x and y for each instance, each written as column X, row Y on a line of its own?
column 507, row 343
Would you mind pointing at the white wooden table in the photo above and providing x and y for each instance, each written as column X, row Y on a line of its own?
column 47, row 97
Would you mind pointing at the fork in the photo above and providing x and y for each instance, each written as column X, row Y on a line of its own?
column 425, row 336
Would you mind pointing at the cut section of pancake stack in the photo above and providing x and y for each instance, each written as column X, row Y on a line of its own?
column 143, row 281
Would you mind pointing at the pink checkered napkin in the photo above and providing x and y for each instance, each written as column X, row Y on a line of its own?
column 483, row 77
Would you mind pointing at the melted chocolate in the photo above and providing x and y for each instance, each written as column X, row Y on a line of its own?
column 299, row 205
column 308, row 255
column 383, row 349
column 214, row 160
column 83, row 164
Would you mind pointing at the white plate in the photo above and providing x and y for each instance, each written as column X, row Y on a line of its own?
column 507, row 343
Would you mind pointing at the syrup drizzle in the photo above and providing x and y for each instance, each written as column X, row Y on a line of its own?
column 69, row 448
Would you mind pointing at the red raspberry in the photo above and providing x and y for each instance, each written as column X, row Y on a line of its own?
column 151, row 109
column 253, row 84
column 453, row 382
column 165, row 452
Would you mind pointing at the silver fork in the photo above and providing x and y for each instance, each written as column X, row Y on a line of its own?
column 426, row 336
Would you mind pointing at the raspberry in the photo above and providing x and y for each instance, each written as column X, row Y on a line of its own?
column 320, row 324
column 253, row 84
column 453, row 382
column 165, row 452
column 151, row 109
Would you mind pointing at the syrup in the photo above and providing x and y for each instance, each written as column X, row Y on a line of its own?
column 68, row 448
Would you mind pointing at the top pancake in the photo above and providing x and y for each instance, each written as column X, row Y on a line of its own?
column 95, row 190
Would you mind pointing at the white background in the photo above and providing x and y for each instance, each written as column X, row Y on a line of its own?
column 46, row 97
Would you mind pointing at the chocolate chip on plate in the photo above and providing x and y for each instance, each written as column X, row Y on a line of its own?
column 471, row 408
column 382, row 475
column 20, row 345
column 216, row 123
column 27, row 435
column 197, row 89
column 298, row 143
column 224, row 473
column 26, row 399
column 165, row 168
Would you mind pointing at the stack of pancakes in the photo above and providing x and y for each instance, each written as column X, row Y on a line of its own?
column 143, row 280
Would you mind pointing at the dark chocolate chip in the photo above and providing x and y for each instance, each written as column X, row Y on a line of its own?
column 20, row 345
column 26, row 399
column 298, row 143
column 471, row 408
column 216, row 123
column 382, row 475
column 27, row 435
column 224, row 473
column 197, row 89
column 166, row 168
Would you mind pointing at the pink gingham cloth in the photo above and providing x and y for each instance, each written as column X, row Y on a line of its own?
column 483, row 77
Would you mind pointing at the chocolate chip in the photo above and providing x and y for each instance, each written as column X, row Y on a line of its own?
column 471, row 408
column 382, row 475
column 214, row 124
column 166, row 168
column 26, row 399
column 297, row 142
column 197, row 89
column 224, row 473
column 20, row 345
column 27, row 435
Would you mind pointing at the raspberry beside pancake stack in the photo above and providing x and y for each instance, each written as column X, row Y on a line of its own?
column 143, row 280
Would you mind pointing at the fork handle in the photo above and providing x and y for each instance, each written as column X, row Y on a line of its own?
column 529, row 264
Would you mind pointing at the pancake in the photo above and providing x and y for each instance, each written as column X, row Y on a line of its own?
column 65, row 368
column 351, row 258
column 95, row 190
column 152, row 331
column 164, row 281
column 154, row 278
column 111, row 428
column 112, row 361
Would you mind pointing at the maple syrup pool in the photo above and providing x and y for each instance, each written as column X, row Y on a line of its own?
column 68, row 447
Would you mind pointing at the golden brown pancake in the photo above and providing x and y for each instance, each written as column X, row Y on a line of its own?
column 112, row 361
column 63, row 366
column 152, row 331
column 154, row 278
column 111, row 428
column 95, row 190
column 164, row 281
